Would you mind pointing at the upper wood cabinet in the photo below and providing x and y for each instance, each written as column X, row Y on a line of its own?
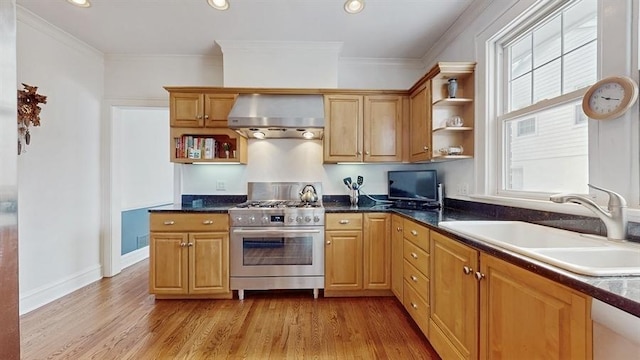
column 365, row 128
column 420, row 124
column 200, row 109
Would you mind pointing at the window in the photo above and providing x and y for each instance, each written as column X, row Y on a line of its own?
column 547, row 67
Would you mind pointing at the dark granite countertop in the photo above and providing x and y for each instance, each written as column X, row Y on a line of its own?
column 622, row 292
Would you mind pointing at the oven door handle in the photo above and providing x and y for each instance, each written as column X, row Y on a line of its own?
column 275, row 232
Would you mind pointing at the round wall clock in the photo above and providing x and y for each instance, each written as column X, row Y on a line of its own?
column 610, row 97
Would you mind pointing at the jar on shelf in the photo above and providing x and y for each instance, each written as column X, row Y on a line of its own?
column 452, row 87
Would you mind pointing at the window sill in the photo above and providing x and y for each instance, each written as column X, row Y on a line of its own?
column 633, row 214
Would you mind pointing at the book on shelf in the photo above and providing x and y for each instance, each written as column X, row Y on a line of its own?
column 195, row 147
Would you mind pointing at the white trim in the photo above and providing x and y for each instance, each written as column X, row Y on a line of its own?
column 43, row 295
column 28, row 18
column 332, row 46
column 134, row 257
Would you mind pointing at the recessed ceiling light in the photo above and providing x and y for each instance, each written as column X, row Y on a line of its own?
column 353, row 6
column 219, row 4
column 81, row 3
column 308, row 135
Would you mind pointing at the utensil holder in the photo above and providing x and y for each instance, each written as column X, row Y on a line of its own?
column 353, row 197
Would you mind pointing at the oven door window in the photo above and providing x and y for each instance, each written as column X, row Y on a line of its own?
column 273, row 250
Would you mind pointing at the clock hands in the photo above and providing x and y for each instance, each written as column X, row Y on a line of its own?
column 608, row 98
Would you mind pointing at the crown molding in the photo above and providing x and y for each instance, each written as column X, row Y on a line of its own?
column 32, row 20
column 329, row 46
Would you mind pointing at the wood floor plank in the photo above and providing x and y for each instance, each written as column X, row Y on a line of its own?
column 116, row 318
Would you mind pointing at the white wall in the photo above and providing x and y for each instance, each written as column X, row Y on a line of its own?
column 59, row 174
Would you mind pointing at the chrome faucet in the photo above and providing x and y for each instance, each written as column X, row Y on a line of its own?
column 614, row 218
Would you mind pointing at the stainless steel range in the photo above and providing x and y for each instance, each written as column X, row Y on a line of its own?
column 277, row 240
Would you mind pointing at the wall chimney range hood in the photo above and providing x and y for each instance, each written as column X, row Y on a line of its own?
column 278, row 116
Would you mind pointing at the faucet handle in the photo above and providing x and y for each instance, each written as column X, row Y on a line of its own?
column 615, row 199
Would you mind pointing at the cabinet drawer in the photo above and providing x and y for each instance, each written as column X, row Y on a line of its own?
column 417, row 234
column 417, row 308
column 344, row 221
column 416, row 280
column 188, row 222
column 416, row 257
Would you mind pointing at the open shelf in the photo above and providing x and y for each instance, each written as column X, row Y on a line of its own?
column 453, row 128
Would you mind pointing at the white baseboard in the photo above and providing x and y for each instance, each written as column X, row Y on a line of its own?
column 43, row 295
column 133, row 257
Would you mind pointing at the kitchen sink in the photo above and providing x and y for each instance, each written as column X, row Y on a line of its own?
column 579, row 253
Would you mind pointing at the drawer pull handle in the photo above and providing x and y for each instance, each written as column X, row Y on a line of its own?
column 467, row 270
column 414, row 255
column 344, row 222
column 207, row 222
column 414, row 278
column 413, row 305
column 169, row 222
column 414, row 233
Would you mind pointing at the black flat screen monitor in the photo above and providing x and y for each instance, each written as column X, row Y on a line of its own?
column 413, row 185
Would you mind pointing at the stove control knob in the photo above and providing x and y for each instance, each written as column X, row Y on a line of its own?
column 299, row 219
column 291, row 220
column 252, row 219
column 239, row 219
column 307, row 218
column 265, row 219
column 316, row 218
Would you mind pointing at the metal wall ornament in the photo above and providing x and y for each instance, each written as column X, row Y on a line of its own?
column 28, row 113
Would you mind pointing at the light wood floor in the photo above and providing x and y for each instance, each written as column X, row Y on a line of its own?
column 117, row 319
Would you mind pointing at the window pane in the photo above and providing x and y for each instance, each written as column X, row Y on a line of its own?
column 547, row 42
column 580, row 68
column 580, row 24
column 521, row 57
column 520, row 92
column 547, row 81
column 554, row 159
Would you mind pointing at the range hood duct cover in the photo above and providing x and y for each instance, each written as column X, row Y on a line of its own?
column 278, row 116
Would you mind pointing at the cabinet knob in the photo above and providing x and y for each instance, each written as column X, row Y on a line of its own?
column 414, row 233
column 414, row 255
column 207, row 222
column 426, row 148
column 398, row 229
column 413, row 305
column 189, row 244
column 199, row 117
column 328, row 242
column 414, row 278
column 344, row 222
column 366, row 153
column 206, row 117
column 467, row 270
column 479, row 275
column 183, row 244
column 170, row 222
column 358, row 152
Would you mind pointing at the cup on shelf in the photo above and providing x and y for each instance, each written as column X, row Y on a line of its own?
column 455, row 121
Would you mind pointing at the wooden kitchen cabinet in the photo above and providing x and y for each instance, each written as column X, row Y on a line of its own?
column 524, row 313
column 444, row 108
column 189, row 256
column 453, row 326
column 420, row 124
column 416, row 273
column 189, row 109
column 397, row 256
column 357, row 254
column 363, row 128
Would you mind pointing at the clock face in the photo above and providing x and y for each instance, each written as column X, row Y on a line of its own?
column 607, row 98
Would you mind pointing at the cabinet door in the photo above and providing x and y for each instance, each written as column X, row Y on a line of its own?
column 343, row 260
column 168, row 263
column 377, row 251
column 208, row 263
column 382, row 136
column 523, row 313
column 343, row 128
column 217, row 108
column 453, row 328
column 396, row 256
column 420, row 125
column 186, row 109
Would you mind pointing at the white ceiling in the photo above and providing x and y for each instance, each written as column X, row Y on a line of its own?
column 386, row 29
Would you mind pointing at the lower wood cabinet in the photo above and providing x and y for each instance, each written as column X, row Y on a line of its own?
column 357, row 254
column 397, row 262
column 485, row 308
column 189, row 255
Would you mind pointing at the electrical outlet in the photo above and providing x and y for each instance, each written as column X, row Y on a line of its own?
column 464, row 189
column 220, row 185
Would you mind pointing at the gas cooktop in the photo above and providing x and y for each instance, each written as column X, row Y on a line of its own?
column 270, row 204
